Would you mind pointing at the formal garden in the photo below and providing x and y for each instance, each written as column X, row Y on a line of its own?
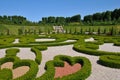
column 59, row 57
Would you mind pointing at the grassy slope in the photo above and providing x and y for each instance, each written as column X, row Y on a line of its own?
column 44, row 28
column 14, row 28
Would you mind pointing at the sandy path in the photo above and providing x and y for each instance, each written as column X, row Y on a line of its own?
column 109, row 47
column 16, row 41
column 2, row 53
column 8, row 65
column 70, row 41
column 20, row 71
column 16, row 72
column 66, row 70
column 89, row 40
column 41, row 40
column 99, row 72
column 26, row 53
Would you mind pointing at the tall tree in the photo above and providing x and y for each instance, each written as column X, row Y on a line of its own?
column 76, row 18
column 107, row 16
column 51, row 19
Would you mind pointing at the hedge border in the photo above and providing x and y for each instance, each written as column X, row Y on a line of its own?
column 59, row 61
column 38, row 55
column 31, row 74
column 110, row 61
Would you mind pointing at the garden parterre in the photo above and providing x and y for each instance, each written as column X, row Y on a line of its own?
column 36, row 47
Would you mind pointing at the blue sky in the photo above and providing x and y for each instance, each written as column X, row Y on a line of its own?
column 34, row 10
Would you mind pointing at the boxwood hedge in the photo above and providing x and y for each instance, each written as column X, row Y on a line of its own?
column 110, row 61
column 31, row 74
column 12, row 52
column 59, row 61
column 38, row 54
column 5, row 74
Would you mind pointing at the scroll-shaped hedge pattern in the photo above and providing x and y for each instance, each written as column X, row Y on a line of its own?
column 110, row 61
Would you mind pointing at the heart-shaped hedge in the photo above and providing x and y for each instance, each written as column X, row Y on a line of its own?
column 31, row 74
column 58, row 61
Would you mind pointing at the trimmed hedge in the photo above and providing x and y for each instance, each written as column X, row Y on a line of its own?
column 5, row 74
column 31, row 74
column 38, row 55
column 50, row 72
column 26, row 40
column 110, row 61
column 83, row 73
column 41, row 47
column 8, row 59
column 12, row 52
column 91, row 45
column 93, row 52
column 117, row 43
column 6, row 40
column 59, row 61
column 32, row 45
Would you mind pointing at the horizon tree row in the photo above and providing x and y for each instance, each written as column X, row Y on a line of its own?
column 113, row 17
column 61, row 20
column 101, row 18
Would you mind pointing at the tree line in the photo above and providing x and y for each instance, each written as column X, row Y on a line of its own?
column 111, row 17
column 16, row 20
column 61, row 20
column 107, row 17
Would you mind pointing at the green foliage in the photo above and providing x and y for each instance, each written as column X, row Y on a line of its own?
column 110, row 61
column 26, row 40
column 38, row 54
column 108, row 17
column 5, row 74
column 31, row 74
column 6, row 40
column 12, row 52
column 8, row 59
column 92, row 52
column 41, row 47
column 59, row 61
column 91, row 45
column 50, row 71
column 90, row 48
column 81, row 74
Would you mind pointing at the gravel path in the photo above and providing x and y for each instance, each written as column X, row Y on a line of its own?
column 16, row 41
column 89, row 40
column 25, row 53
column 109, row 47
column 70, row 41
column 2, row 53
column 99, row 72
column 41, row 40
